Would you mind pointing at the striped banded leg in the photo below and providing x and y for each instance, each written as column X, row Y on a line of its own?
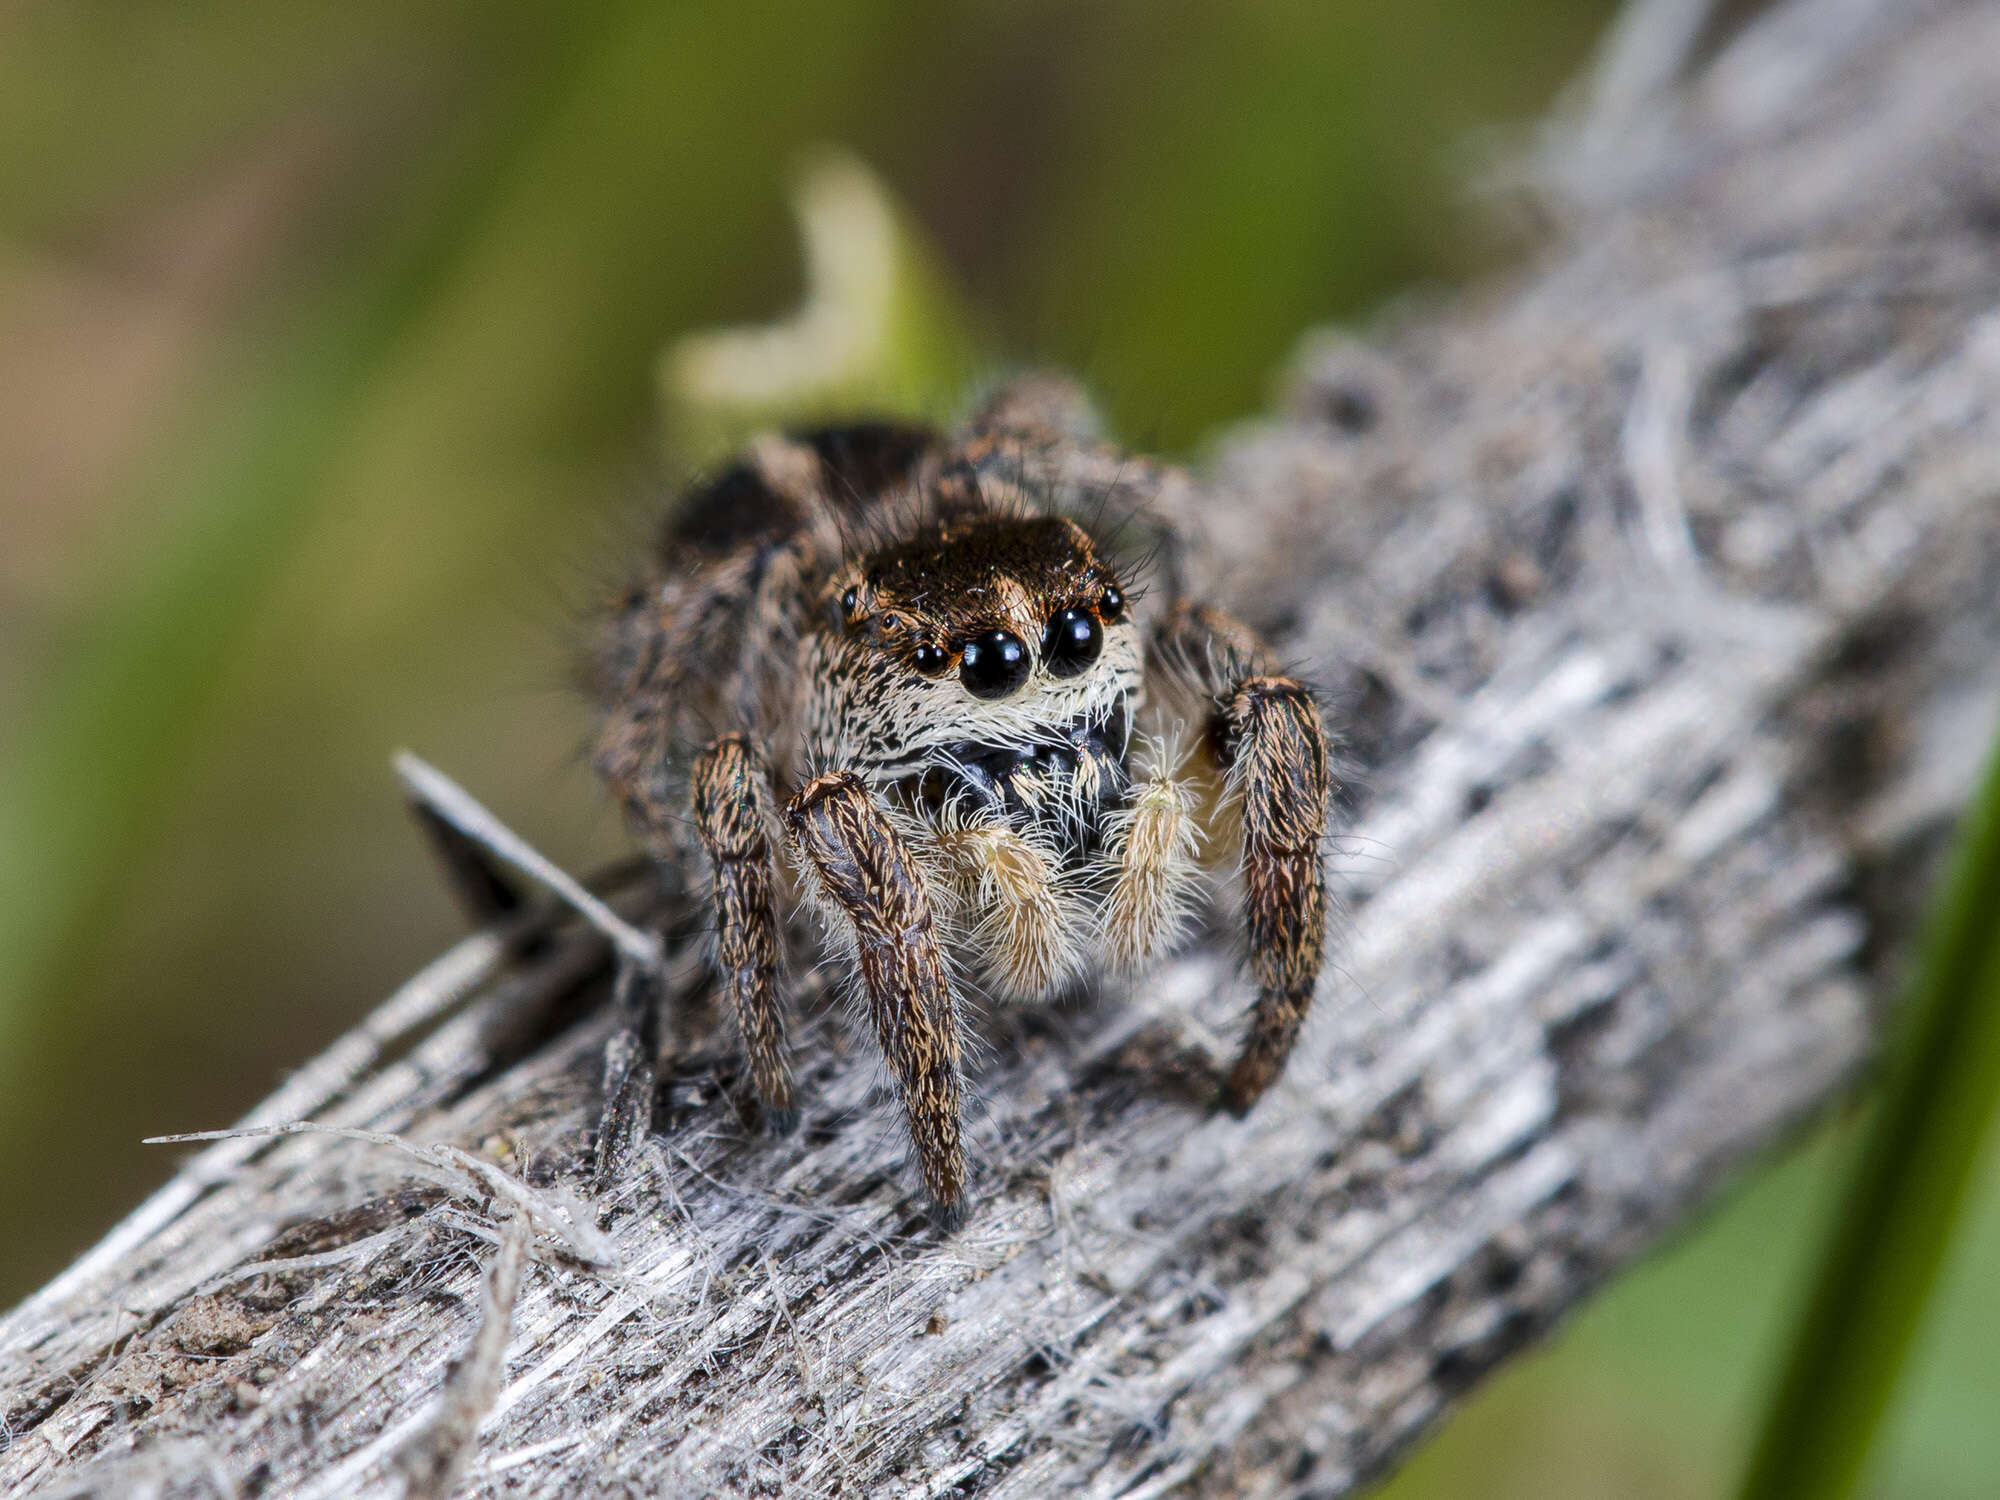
column 1265, row 732
column 734, row 818
column 873, row 897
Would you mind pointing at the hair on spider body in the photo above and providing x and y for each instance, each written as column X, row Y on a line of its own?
column 895, row 677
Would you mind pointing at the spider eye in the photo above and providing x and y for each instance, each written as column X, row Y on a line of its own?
column 1072, row 643
column 1111, row 604
column 994, row 664
column 848, row 601
column 932, row 660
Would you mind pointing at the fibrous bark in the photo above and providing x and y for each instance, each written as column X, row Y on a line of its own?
column 1655, row 594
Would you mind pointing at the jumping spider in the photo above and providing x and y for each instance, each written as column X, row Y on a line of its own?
column 896, row 681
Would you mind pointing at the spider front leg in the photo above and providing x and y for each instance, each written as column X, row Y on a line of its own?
column 734, row 817
column 1266, row 735
column 873, row 895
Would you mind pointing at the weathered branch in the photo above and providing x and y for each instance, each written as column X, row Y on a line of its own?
column 1656, row 592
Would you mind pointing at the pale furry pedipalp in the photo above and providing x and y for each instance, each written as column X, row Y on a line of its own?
column 1154, row 846
column 1010, row 906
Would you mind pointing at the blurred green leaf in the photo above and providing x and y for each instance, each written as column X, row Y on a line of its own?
column 880, row 329
column 1939, row 1095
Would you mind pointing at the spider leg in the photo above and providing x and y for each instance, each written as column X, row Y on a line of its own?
column 1265, row 732
column 873, row 895
column 1037, row 406
column 629, row 1057
column 1006, row 886
column 734, row 818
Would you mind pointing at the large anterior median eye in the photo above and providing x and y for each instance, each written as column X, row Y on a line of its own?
column 993, row 665
column 1072, row 642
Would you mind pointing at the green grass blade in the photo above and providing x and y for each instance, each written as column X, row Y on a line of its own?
column 1940, row 1087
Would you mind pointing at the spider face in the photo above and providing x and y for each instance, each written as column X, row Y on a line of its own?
column 901, row 689
column 993, row 654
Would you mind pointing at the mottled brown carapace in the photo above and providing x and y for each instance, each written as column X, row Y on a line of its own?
column 896, row 682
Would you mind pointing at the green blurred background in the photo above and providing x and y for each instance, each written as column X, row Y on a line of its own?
column 329, row 338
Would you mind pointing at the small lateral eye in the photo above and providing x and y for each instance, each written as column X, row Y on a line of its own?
column 931, row 660
column 849, row 600
column 1111, row 604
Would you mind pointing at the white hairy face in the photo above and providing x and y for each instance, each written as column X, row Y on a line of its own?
column 868, row 713
column 992, row 635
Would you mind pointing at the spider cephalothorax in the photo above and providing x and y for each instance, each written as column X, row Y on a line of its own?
column 891, row 675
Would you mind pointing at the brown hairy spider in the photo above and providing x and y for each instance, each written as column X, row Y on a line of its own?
column 897, row 682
